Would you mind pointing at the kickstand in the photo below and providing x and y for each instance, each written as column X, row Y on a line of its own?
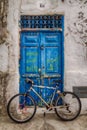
column 45, row 124
column 44, row 114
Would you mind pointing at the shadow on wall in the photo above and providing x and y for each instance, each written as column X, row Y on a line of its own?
column 3, row 84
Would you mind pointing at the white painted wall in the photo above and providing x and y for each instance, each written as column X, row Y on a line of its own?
column 14, row 47
column 75, row 36
column 3, row 58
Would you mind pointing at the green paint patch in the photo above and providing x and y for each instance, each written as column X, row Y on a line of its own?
column 32, row 68
column 51, row 67
column 31, row 53
column 31, row 61
column 52, row 60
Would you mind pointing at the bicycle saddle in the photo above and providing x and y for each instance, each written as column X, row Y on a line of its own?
column 29, row 80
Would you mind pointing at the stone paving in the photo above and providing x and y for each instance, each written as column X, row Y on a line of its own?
column 50, row 122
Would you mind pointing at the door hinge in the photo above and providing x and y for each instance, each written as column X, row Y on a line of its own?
column 19, row 23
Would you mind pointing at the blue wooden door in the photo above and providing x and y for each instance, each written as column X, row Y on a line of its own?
column 41, row 60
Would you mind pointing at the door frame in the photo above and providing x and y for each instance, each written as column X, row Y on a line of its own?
column 62, row 46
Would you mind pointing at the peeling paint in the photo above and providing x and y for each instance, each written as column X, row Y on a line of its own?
column 3, row 20
column 3, row 89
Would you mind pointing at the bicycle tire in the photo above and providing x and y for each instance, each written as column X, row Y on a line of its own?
column 19, row 110
column 67, row 112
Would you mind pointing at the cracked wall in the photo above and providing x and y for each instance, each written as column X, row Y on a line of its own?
column 3, row 20
column 75, row 41
column 3, row 54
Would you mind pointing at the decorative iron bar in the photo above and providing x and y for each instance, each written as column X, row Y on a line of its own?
column 46, row 21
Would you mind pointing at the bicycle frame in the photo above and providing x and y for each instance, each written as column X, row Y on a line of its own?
column 51, row 101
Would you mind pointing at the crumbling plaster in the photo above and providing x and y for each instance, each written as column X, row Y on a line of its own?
column 75, row 40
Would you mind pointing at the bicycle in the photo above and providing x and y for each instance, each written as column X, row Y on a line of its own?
column 22, row 107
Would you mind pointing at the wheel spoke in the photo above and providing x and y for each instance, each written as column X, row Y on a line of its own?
column 21, row 108
column 70, row 106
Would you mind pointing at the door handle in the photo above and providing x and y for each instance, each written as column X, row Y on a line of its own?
column 42, row 47
column 39, row 70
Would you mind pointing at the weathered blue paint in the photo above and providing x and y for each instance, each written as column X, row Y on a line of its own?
column 41, row 60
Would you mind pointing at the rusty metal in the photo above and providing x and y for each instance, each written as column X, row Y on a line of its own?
column 37, row 29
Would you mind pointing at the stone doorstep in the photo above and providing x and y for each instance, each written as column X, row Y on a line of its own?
column 51, row 123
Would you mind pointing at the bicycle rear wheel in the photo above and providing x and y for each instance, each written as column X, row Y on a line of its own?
column 68, row 106
column 21, row 108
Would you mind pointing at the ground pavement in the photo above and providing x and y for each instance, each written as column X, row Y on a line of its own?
column 50, row 122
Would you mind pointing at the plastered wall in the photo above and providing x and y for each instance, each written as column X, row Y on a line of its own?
column 75, row 42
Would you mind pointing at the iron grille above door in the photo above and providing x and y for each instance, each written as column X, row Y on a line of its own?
column 42, row 21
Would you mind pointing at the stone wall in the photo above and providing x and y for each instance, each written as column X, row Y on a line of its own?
column 3, row 20
column 3, row 53
column 75, row 41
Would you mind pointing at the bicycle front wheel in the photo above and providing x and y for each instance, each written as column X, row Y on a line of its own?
column 21, row 108
column 68, row 106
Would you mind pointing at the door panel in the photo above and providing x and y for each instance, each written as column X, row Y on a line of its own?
column 40, row 60
column 51, row 55
column 51, row 60
column 31, row 61
column 30, row 54
column 52, row 39
column 30, row 39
